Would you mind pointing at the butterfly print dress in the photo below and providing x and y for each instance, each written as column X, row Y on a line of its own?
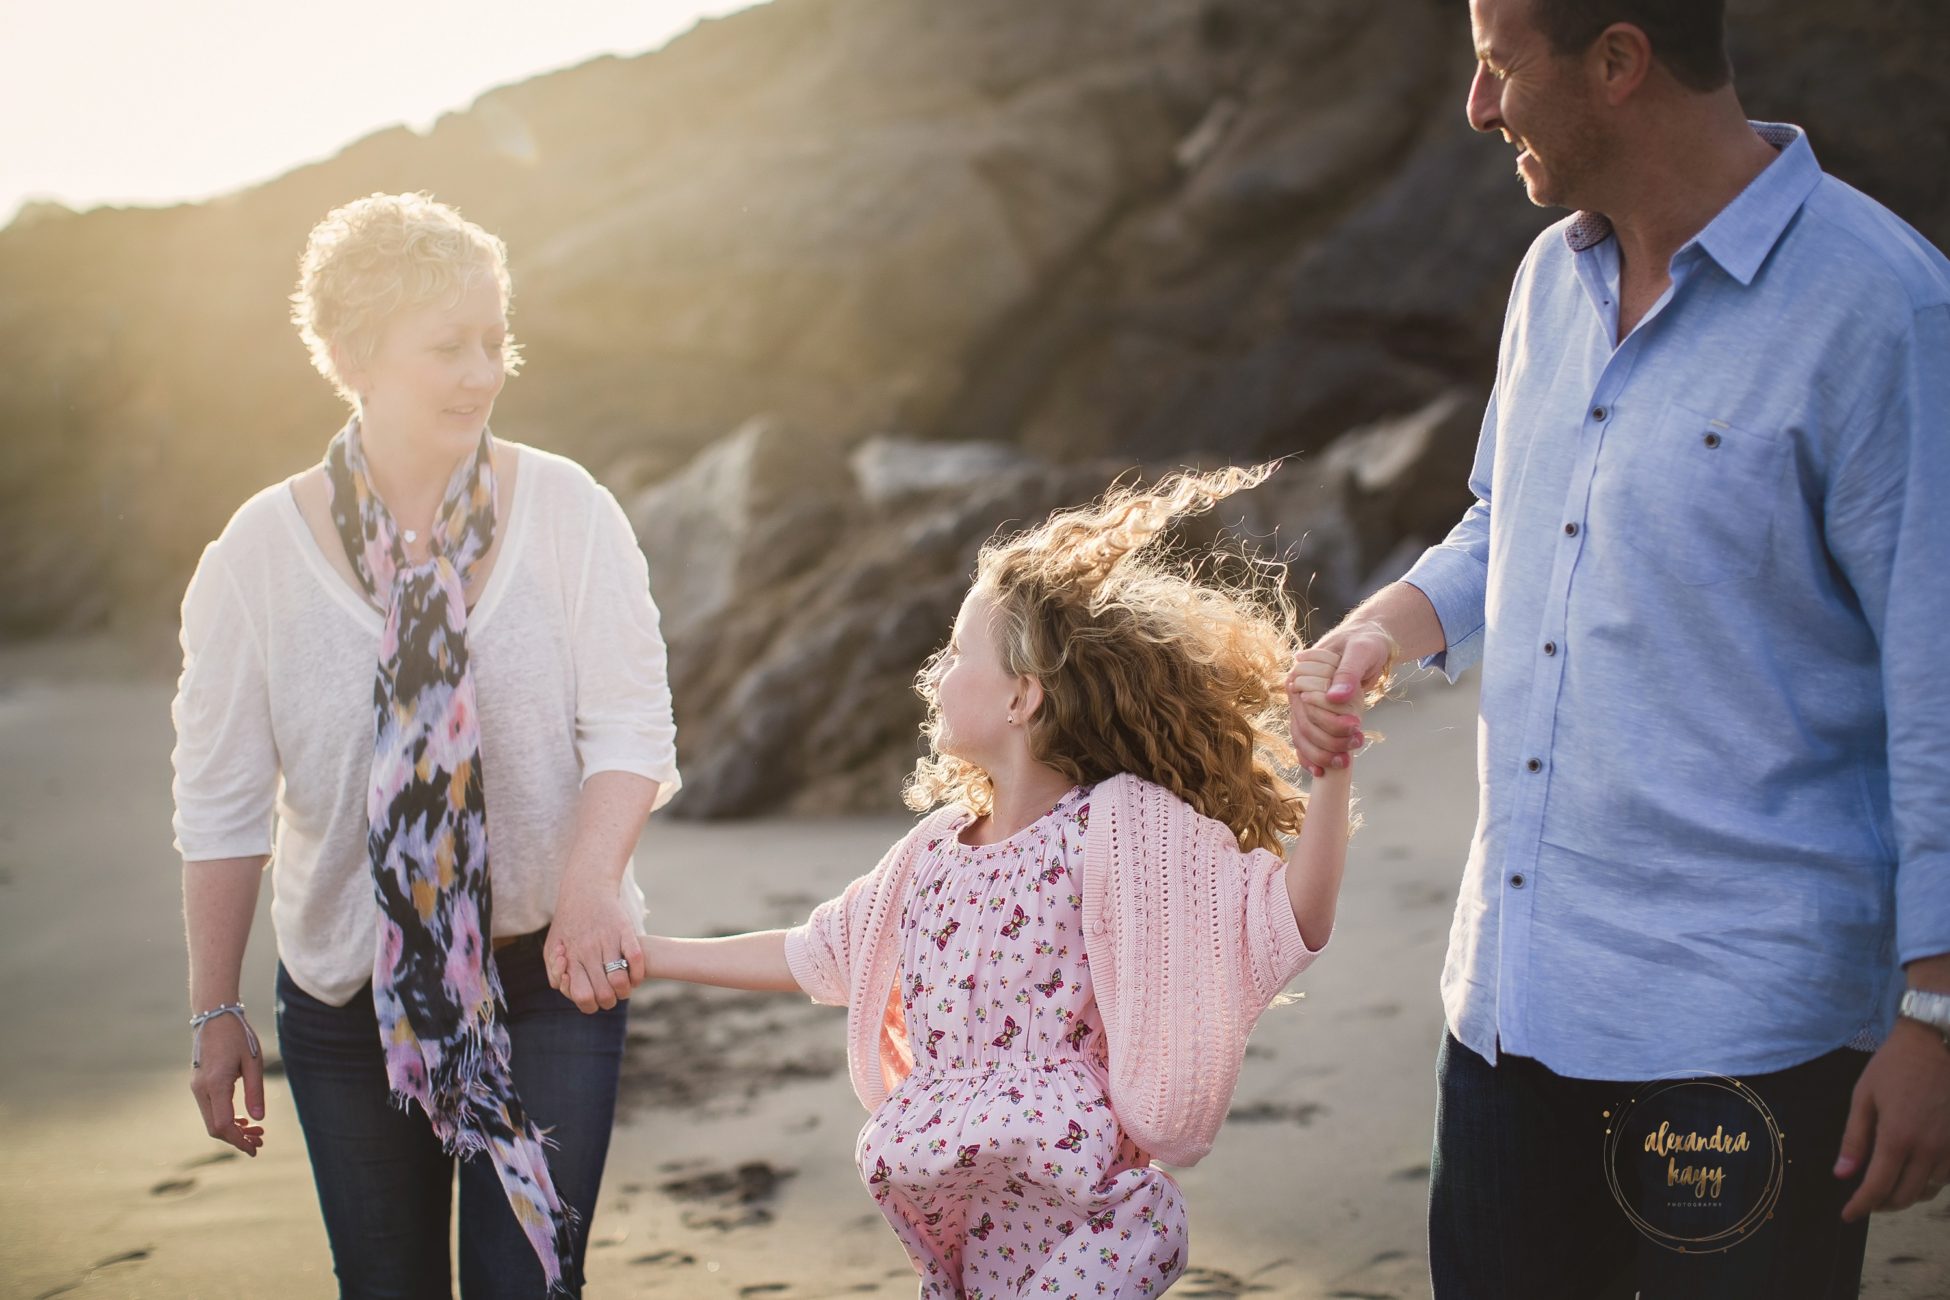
column 998, row 1161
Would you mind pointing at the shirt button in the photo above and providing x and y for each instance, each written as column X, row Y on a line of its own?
column 1516, row 881
column 1550, row 647
column 1712, row 440
column 1534, row 765
column 1598, row 413
column 1570, row 530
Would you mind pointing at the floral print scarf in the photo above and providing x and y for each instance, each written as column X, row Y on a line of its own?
column 434, row 984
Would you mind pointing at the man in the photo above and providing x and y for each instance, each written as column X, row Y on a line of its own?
column 1708, row 575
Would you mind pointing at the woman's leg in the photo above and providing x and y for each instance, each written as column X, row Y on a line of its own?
column 566, row 1067
column 384, row 1185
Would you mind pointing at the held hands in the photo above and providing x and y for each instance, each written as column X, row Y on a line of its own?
column 224, row 1058
column 1899, row 1120
column 1324, row 704
column 592, row 930
column 1328, row 688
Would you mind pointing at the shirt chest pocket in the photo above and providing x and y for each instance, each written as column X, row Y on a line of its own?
column 1696, row 495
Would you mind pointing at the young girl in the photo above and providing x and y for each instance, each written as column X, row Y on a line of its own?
column 1051, row 980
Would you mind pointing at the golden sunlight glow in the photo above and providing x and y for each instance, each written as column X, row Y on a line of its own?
column 117, row 101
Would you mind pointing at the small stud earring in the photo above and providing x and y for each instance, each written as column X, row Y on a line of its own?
column 1012, row 719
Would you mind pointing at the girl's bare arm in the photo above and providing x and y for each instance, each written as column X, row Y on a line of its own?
column 741, row 961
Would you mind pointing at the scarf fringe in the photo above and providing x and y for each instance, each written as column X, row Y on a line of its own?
column 474, row 1112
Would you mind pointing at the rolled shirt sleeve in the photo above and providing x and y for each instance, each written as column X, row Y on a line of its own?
column 1454, row 573
column 623, row 710
column 225, row 761
column 1888, row 529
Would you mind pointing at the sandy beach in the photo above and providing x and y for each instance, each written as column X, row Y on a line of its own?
column 731, row 1171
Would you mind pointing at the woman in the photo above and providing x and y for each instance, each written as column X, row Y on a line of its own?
column 434, row 657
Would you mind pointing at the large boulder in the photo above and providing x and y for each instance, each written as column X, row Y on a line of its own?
column 799, row 692
column 1137, row 229
column 759, row 505
column 937, row 266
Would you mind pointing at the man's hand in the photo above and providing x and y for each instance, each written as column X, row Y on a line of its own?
column 1901, row 1109
column 1325, row 732
column 1312, row 677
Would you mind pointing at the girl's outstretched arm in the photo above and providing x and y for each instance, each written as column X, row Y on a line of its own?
column 741, row 961
column 1319, row 855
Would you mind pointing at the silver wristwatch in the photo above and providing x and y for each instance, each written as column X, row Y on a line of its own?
column 1932, row 1009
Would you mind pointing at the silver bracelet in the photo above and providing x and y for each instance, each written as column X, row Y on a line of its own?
column 203, row 1018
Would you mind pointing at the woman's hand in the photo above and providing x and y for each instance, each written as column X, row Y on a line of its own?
column 592, row 928
column 226, row 1058
column 1307, row 684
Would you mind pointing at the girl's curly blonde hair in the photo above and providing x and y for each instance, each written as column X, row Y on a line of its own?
column 375, row 257
column 1149, row 662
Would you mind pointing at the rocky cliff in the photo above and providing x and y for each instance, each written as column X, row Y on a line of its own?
column 829, row 289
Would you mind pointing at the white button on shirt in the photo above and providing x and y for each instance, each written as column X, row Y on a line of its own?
column 1713, row 815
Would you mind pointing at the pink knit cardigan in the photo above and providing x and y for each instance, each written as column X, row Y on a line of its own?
column 1188, row 940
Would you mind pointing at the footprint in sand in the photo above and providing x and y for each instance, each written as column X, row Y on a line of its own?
column 665, row 1259
column 735, row 1048
column 1216, row 1284
column 1269, row 1112
column 184, row 1186
column 739, row 1195
column 126, row 1257
column 755, row 1180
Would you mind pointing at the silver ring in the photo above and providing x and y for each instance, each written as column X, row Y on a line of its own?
column 621, row 963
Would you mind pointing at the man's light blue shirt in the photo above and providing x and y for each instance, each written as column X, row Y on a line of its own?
column 1708, row 576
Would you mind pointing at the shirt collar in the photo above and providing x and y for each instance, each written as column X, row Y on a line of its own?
column 1746, row 230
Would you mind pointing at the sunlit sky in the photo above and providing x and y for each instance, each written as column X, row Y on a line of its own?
column 136, row 101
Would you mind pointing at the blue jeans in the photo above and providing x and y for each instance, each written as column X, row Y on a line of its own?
column 1520, row 1204
column 384, row 1184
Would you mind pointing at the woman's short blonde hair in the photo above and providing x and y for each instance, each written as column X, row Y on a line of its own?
column 378, row 256
column 1150, row 663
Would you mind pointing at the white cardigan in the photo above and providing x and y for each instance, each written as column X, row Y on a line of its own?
column 274, row 708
